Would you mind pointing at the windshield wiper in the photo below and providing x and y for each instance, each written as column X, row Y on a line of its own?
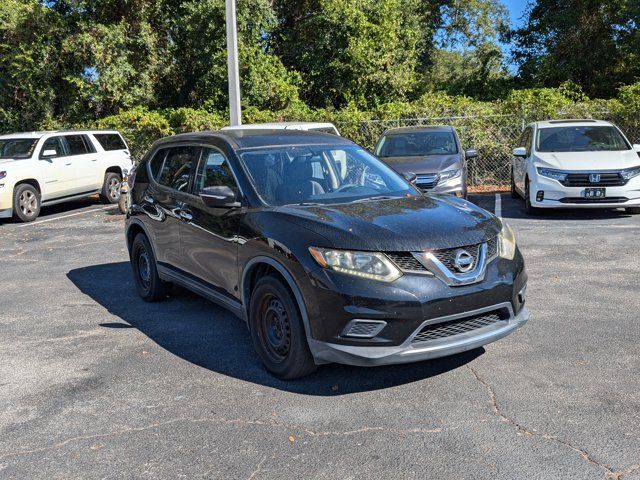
column 379, row 197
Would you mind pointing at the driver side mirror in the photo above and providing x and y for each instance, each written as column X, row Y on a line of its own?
column 471, row 153
column 49, row 153
column 520, row 152
column 219, row 197
column 410, row 177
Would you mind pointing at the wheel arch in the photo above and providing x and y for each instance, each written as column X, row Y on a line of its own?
column 30, row 181
column 114, row 169
column 260, row 266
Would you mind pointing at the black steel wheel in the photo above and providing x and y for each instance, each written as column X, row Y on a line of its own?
column 145, row 273
column 277, row 331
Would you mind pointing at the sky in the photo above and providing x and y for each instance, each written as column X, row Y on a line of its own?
column 516, row 9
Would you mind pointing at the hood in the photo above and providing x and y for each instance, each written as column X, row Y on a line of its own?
column 4, row 161
column 588, row 160
column 404, row 224
column 424, row 164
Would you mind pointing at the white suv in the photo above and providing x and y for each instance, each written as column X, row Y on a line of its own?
column 576, row 164
column 43, row 168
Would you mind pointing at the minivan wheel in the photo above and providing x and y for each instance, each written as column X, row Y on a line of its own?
column 26, row 202
column 145, row 273
column 514, row 192
column 277, row 331
column 531, row 210
column 111, row 188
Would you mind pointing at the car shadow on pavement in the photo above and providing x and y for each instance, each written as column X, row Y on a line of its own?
column 206, row 335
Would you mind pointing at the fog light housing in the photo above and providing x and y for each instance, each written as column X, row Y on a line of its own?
column 540, row 195
column 522, row 295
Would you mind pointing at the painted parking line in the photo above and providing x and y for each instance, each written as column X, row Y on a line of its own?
column 62, row 217
column 498, row 209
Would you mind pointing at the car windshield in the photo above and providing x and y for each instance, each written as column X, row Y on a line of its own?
column 321, row 175
column 580, row 139
column 17, row 147
column 417, row 144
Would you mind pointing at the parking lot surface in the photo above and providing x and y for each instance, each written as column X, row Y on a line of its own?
column 95, row 383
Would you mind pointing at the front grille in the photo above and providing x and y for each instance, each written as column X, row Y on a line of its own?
column 583, row 200
column 456, row 327
column 427, row 181
column 613, row 179
column 406, row 262
column 448, row 257
column 492, row 247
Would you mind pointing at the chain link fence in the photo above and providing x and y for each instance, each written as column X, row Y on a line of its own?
column 494, row 136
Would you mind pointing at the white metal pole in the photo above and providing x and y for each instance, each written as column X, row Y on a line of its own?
column 235, row 109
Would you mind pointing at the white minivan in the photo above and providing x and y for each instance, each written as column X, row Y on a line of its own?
column 44, row 168
column 576, row 164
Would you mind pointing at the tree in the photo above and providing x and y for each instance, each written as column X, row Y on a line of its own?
column 593, row 43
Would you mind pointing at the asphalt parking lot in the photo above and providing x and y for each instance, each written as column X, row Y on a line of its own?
column 95, row 383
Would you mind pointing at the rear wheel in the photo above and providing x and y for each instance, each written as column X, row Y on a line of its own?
column 26, row 202
column 145, row 273
column 277, row 331
column 111, row 188
column 633, row 210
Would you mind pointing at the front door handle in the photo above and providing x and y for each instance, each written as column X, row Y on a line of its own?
column 186, row 215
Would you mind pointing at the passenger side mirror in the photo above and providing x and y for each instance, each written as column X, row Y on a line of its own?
column 520, row 152
column 219, row 197
column 471, row 153
column 410, row 177
column 49, row 153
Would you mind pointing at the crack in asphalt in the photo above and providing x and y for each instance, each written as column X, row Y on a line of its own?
column 241, row 422
column 610, row 473
column 258, row 468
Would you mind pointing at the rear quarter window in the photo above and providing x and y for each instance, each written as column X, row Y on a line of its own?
column 110, row 141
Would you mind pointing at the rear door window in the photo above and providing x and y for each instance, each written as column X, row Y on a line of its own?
column 110, row 141
column 178, row 167
column 78, row 144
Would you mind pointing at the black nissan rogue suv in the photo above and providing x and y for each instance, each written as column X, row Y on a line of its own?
column 324, row 251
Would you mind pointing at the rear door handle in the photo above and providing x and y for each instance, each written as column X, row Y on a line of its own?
column 186, row 215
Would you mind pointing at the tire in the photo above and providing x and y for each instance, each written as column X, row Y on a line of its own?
column 123, row 203
column 277, row 331
column 110, row 193
column 633, row 210
column 531, row 210
column 145, row 272
column 514, row 192
column 26, row 202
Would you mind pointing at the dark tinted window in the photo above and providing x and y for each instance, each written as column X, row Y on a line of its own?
column 214, row 171
column 77, row 144
column 155, row 164
column 417, row 144
column 177, row 167
column 580, row 139
column 17, row 147
column 110, row 141
column 53, row 143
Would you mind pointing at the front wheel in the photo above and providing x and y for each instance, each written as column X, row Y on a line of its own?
column 111, row 188
column 26, row 202
column 277, row 331
column 531, row 210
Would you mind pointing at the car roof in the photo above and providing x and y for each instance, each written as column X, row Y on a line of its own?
column 279, row 125
column 419, row 128
column 259, row 138
column 572, row 123
column 41, row 134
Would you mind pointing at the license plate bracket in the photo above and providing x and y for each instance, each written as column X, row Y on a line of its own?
column 595, row 193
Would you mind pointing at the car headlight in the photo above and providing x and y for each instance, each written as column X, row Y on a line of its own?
column 554, row 174
column 626, row 174
column 448, row 175
column 507, row 242
column 372, row 265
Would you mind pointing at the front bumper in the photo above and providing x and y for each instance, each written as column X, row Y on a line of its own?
column 6, row 202
column 557, row 195
column 407, row 352
column 455, row 186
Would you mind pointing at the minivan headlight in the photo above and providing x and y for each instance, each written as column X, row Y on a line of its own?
column 554, row 174
column 626, row 174
column 507, row 242
column 372, row 265
column 449, row 175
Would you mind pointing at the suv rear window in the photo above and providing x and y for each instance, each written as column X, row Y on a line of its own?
column 110, row 141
